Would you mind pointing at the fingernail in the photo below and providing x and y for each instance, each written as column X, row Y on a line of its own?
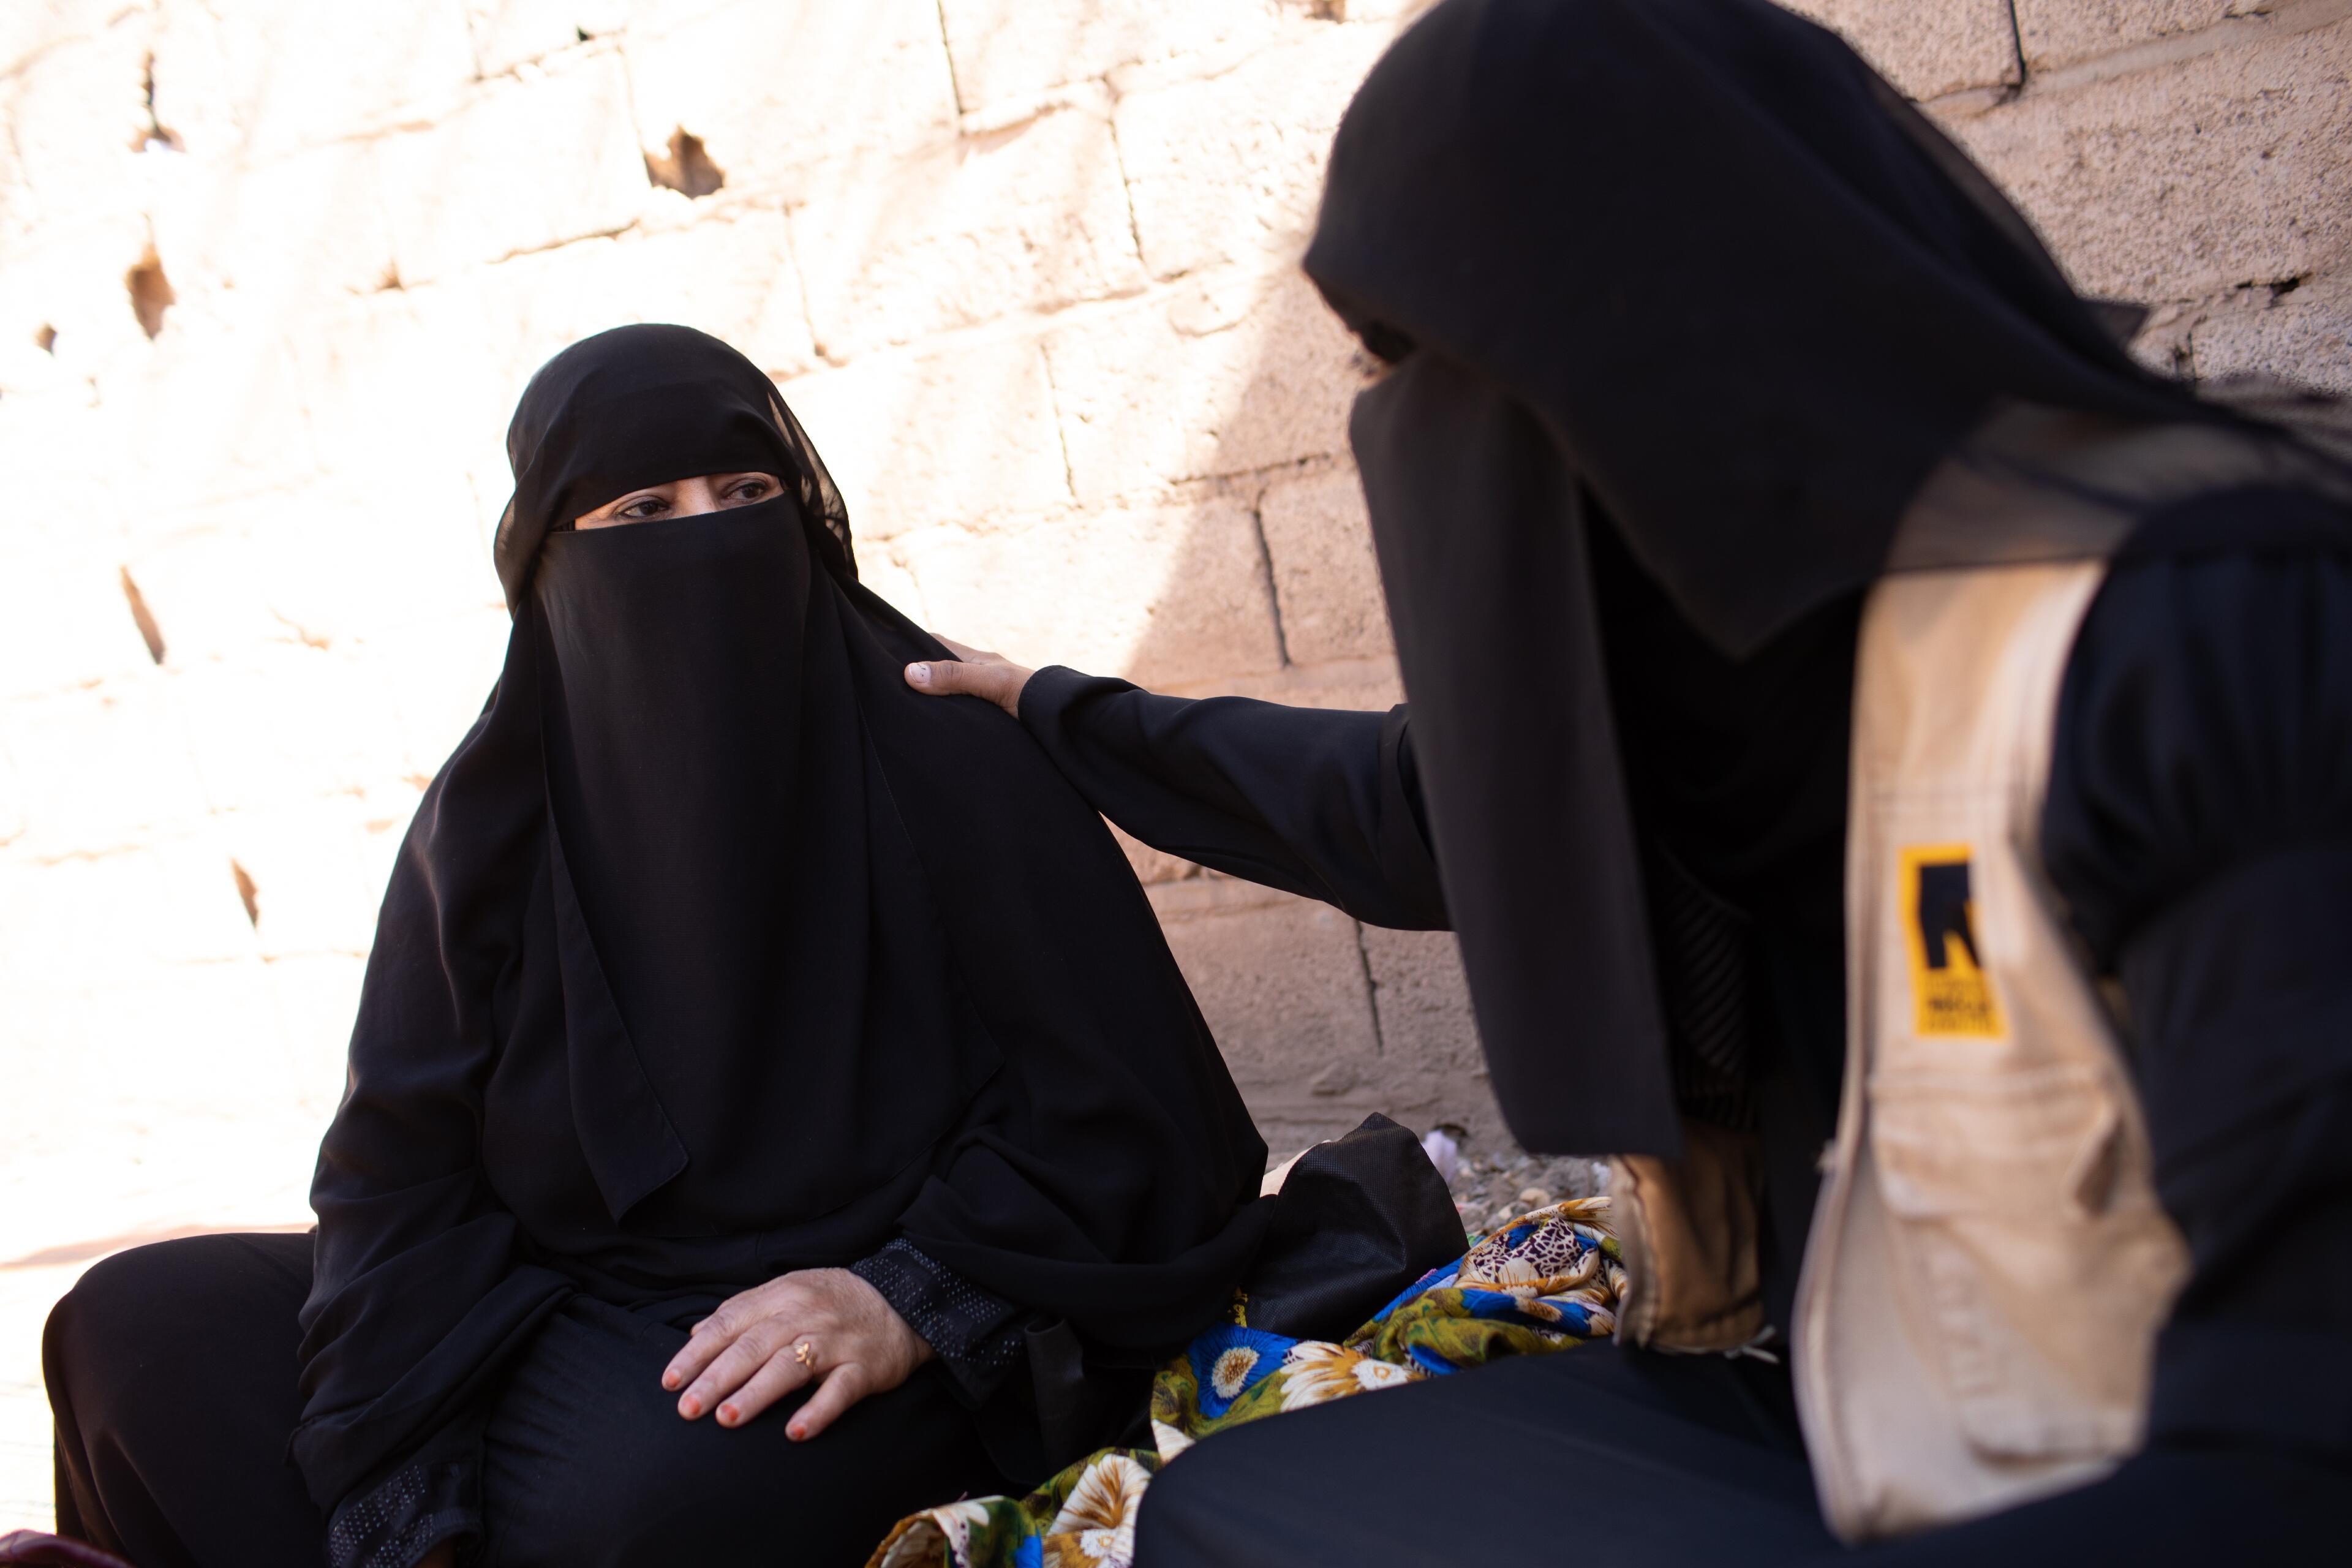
column 689, row 1407
column 669, row 1381
column 796, row 1433
column 920, row 673
column 727, row 1416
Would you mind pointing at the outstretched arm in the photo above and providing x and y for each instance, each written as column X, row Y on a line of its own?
column 1319, row 801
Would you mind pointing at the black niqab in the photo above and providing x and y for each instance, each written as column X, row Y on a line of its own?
column 1689, row 271
column 714, row 951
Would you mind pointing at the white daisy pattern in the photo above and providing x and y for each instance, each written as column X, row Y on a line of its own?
column 1095, row 1526
column 1229, row 1372
column 1317, row 1372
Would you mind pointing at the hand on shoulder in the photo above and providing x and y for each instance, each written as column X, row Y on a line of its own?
column 973, row 673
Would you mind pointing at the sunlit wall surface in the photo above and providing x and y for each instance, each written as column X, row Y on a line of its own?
column 272, row 273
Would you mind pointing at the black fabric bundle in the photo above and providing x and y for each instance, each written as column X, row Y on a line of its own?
column 1735, row 395
column 714, row 951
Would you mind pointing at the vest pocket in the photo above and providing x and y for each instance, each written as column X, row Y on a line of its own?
column 2028, row 1269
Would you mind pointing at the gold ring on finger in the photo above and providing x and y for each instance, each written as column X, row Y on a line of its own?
column 805, row 1353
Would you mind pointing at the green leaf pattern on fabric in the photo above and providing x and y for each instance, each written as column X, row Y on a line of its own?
column 1546, row 1281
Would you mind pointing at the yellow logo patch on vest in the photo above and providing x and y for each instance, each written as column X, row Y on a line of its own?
column 1951, row 993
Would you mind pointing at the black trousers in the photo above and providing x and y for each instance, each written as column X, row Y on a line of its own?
column 1593, row 1452
column 1658, row 1461
column 172, row 1373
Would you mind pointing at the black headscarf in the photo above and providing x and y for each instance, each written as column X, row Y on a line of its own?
column 1689, row 271
column 714, row 951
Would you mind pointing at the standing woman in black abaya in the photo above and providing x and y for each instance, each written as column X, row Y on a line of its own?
column 739, row 1152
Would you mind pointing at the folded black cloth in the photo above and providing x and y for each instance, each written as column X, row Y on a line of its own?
column 1358, row 1220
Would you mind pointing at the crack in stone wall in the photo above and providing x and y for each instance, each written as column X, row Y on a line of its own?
column 273, row 272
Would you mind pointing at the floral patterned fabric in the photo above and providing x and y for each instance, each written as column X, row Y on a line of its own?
column 1546, row 1281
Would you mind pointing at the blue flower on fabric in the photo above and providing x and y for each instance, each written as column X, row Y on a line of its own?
column 1431, row 1361
column 1230, row 1360
column 1437, row 1278
column 1575, row 1319
column 1030, row 1553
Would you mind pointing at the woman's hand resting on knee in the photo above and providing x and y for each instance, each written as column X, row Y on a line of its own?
column 989, row 674
column 824, row 1326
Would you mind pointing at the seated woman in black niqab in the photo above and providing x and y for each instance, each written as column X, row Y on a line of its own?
column 737, row 1035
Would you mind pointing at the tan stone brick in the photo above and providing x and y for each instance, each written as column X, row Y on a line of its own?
column 1925, row 48
column 1160, row 594
column 330, row 570
column 67, row 291
column 522, row 167
column 2060, row 32
column 317, row 570
column 317, row 996
column 1009, row 48
column 2227, row 168
column 267, row 243
column 317, row 869
column 1031, row 219
column 1325, row 576
column 63, row 620
column 730, row 274
column 169, row 903
column 1429, row 1037
column 1396, row 13
column 1281, row 981
column 99, row 771
column 213, row 412
column 187, row 1071
column 509, row 33
column 20, row 215
column 2305, row 334
column 260, row 77
column 1246, row 374
column 72, row 115
column 772, row 86
column 1231, row 169
column 430, row 374
column 1367, row 684
column 31, row 27
column 275, row 726
column 958, row 435
column 432, row 677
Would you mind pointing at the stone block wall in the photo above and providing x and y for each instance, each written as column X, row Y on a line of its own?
column 272, row 273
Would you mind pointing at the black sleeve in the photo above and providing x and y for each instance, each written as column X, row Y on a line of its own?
column 433, row 1495
column 1319, row 801
column 2200, row 827
column 979, row 1337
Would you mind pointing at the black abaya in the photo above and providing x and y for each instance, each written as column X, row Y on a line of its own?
column 2198, row 806
column 1607, row 1455
column 171, row 1372
column 1688, row 271
column 1695, row 331
column 585, row 1462
column 715, row 953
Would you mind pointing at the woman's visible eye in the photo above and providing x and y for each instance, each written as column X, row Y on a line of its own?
column 759, row 486
column 644, row 509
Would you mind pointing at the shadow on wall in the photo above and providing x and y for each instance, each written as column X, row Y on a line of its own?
column 1273, row 592
column 1154, row 481
column 1140, row 468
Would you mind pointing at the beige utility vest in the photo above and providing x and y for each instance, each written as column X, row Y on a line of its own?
column 1989, row 1265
